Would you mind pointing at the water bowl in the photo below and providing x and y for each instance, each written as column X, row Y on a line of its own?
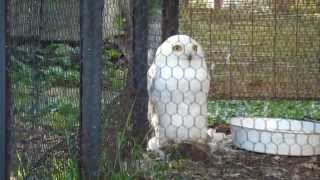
column 276, row 136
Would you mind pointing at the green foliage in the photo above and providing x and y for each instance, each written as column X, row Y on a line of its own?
column 56, row 68
column 58, row 65
column 159, row 170
column 224, row 110
column 63, row 117
column 59, row 68
column 117, row 77
column 112, row 54
column 115, row 74
column 51, row 66
column 21, row 71
column 21, row 170
column 57, row 76
column 120, row 22
column 154, row 7
column 65, row 169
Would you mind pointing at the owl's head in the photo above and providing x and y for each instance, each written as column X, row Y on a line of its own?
column 183, row 46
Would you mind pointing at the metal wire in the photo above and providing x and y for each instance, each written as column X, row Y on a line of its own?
column 45, row 72
column 257, row 49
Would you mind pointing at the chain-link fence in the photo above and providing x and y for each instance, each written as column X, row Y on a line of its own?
column 46, row 81
column 251, row 49
column 45, row 75
column 257, row 49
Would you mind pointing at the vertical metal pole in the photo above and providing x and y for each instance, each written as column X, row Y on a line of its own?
column 91, row 82
column 4, row 91
column 218, row 4
column 139, row 10
column 170, row 18
column 282, row 5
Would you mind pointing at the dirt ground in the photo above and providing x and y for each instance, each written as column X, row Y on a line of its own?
column 232, row 163
column 242, row 165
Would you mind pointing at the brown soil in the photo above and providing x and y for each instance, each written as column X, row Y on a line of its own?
column 242, row 165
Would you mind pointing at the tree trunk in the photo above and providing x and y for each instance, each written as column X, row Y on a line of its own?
column 170, row 18
column 139, row 67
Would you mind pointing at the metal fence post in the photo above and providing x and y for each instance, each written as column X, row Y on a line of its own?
column 170, row 19
column 4, row 91
column 91, row 82
column 281, row 5
column 139, row 10
column 218, row 4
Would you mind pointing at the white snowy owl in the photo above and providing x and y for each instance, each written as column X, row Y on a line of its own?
column 178, row 86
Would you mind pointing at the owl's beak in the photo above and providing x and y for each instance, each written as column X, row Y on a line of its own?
column 189, row 57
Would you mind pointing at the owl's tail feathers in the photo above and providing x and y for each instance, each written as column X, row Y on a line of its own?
column 153, row 116
column 218, row 140
column 154, row 146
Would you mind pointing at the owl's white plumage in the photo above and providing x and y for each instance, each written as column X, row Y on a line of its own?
column 178, row 85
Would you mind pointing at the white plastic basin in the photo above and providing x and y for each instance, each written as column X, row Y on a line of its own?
column 276, row 136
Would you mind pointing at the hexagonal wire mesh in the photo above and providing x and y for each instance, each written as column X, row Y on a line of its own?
column 178, row 85
column 277, row 136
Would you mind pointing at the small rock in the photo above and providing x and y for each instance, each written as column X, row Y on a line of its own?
column 277, row 158
column 296, row 177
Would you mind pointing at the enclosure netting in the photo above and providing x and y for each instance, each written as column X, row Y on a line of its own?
column 258, row 48
column 45, row 72
column 45, row 75
column 255, row 49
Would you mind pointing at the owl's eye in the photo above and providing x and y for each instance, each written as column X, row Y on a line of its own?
column 177, row 48
column 195, row 48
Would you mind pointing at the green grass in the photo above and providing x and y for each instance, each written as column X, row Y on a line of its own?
column 60, row 111
column 124, row 169
column 224, row 110
column 219, row 111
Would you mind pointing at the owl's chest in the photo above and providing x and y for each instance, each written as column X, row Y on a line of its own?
column 184, row 79
column 181, row 84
